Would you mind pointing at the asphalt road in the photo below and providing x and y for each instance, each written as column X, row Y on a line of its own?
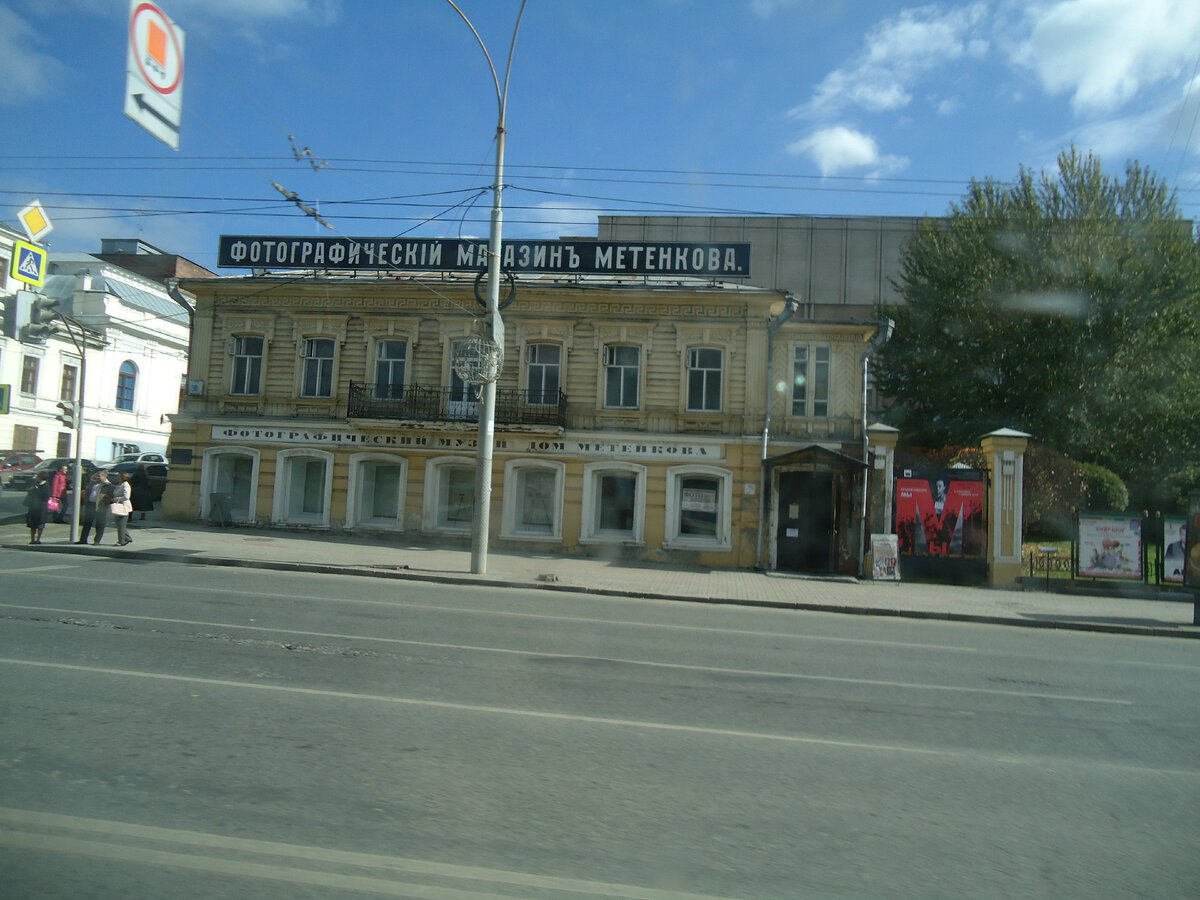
column 181, row 731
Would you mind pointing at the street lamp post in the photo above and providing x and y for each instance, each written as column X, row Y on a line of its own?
column 495, row 326
column 77, row 416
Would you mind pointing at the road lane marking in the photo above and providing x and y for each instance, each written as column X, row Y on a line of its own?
column 592, row 720
column 241, row 593
column 470, row 648
column 55, row 568
column 43, row 831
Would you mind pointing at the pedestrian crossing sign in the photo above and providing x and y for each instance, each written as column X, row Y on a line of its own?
column 28, row 263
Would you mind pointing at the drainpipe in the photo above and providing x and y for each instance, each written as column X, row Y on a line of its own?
column 793, row 304
column 883, row 334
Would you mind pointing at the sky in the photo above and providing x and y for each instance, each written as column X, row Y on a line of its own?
column 380, row 116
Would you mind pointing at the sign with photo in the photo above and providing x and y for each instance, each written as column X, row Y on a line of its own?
column 1191, row 569
column 1174, row 549
column 939, row 512
column 1110, row 547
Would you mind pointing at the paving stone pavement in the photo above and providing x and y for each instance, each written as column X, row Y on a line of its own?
column 1165, row 613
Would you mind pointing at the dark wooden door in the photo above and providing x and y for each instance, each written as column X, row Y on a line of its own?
column 807, row 530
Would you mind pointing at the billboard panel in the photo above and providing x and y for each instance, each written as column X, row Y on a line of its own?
column 1110, row 547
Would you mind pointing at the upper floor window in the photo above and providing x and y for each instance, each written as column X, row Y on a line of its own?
column 390, row 359
column 126, row 382
column 704, row 369
column 317, row 378
column 622, row 369
column 247, row 364
column 810, row 382
column 70, row 382
column 543, row 370
column 29, row 374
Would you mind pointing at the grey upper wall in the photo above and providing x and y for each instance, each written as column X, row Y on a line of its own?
column 840, row 268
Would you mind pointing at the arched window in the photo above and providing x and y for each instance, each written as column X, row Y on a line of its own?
column 126, row 381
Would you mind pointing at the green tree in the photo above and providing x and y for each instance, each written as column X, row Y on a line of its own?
column 1065, row 305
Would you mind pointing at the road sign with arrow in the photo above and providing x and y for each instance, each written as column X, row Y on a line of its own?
column 154, row 72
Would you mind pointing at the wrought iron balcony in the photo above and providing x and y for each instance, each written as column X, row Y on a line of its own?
column 425, row 403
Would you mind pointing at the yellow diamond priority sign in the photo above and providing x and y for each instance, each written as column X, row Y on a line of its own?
column 35, row 221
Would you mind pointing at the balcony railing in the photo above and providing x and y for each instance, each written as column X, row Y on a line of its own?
column 424, row 403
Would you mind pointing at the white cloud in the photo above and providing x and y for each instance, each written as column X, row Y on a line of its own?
column 898, row 52
column 1104, row 52
column 840, row 148
column 25, row 73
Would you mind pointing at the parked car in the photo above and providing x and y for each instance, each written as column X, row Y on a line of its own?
column 20, row 481
column 157, row 471
column 13, row 461
column 137, row 458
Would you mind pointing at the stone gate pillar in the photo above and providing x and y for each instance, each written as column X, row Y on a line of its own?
column 881, row 449
column 1004, row 451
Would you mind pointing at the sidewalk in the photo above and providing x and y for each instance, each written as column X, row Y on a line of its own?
column 409, row 557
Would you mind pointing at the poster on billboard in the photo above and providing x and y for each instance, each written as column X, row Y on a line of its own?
column 939, row 512
column 1191, row 569
column 1174, row 549
column 885, row 555
column 1110, row 547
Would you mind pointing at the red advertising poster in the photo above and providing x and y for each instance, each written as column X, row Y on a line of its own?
column 939, row 513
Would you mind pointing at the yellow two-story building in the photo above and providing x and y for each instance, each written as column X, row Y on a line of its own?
column 650, row 416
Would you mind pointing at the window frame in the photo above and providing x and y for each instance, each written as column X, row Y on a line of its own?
column 511, row 526
column 590, row 531
column 705, row 373
column 607, row 367
column 546, row 396
column 395, row 390
column 31, row 367
column 68, row 388
column 282, row 496
column 306, row 343
column 357, row 483
column 237, row 384
column 208, row 473
column 814, row 403
column 435, row 470
column 673, row 532
column 126, row 386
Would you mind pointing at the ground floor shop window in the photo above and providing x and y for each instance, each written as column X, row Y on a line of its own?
column 227, row 484
column 376, row 491
column 533, row 499
column 614, row 502
column 449, row 495
column 303, row 480
column 698, row 507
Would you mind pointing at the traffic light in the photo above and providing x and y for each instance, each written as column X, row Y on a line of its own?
column 70, row 413
column 42, row 312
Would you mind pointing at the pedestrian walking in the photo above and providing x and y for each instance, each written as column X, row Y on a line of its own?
column 121, row 509
column 87, row 508
column 36, row 500
column 58, row 495
column 143, row 502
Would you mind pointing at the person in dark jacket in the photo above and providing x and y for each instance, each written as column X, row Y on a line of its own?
column 87, row 508
column 140, row 483
column 35, row 507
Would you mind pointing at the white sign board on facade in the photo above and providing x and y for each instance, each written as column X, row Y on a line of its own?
column 154, row 72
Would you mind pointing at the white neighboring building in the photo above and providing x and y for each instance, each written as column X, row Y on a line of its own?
column 136, row 360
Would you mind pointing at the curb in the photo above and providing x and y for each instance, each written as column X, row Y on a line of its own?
column 401, row 573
